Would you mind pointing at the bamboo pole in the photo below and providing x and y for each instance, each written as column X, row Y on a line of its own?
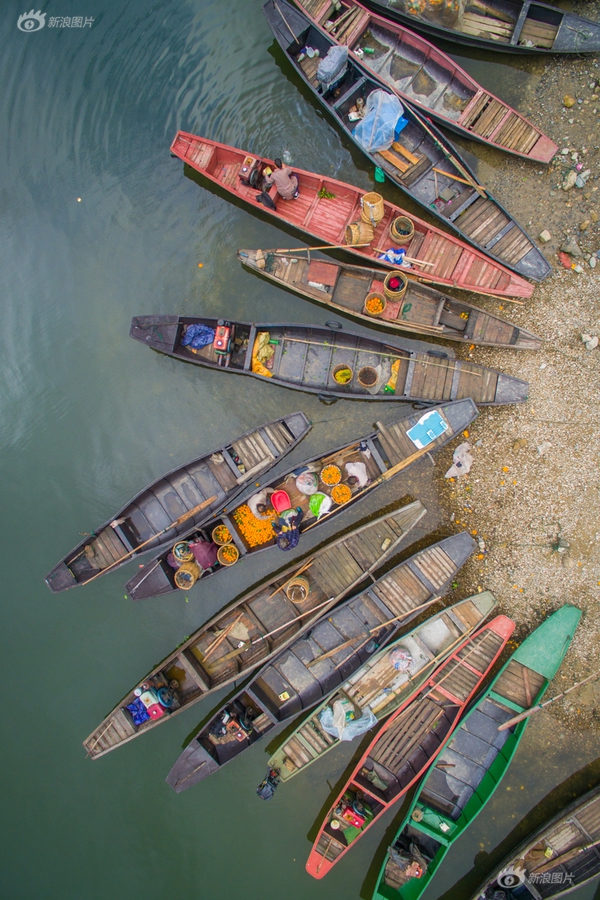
column 529, row 712
column 287, row 24
column 219, row 640
column 452, row 158
column 410, row 259
column 322, row 247
column 450, row 175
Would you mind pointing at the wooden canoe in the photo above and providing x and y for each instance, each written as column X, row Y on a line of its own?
column 453, row 262
column 406, row 745
column 306, row 358
column 221, row 475
column 295, row 681
column 573, row 836
column 421, row 162
column 422, row 310
column 511, row 26
column 473, row 762
column 382, row 453
column 421, row 74
column 198, row 664
column 378, row 687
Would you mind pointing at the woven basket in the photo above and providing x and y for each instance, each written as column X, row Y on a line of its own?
column 227, row 549
column 187, row 575
column 374, row 295
column 298, row 589
column 373, row 209
column 402, row 229
column 395, row 295
column 359, row 233
column 341, row 368
column 367, row 376
column 182, row 553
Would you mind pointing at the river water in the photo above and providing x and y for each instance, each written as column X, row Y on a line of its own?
column 98, row 223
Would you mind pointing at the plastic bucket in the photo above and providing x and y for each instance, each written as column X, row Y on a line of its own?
column 390, row 293
column 374, row 299
column 187, row 575
column 402, row 229
column 359, row 233
column 373, row 209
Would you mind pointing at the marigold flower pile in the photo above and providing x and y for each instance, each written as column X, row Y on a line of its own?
column 254, row 531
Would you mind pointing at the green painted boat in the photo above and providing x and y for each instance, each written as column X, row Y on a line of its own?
column 472, row 763
column 378, row 687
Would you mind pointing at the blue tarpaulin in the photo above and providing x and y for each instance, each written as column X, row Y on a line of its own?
column 198, row 336
column 378, row 128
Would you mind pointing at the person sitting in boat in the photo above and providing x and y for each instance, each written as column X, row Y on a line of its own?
column 284, row 180
column 260, row 504
column 411, row 862
column 287, row 528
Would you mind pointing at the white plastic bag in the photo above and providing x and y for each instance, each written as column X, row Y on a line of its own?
column 462, row 461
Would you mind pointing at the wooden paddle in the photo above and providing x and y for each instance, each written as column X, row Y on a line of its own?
column 565, row 858
column 453, row 159
column 410, row 259
column 179, row 521
column 322, row 247
column 529, row 712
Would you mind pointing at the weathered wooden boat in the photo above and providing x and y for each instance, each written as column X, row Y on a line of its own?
column 473, row 762
column 420, row 161
column 422, row 310
column 512, row 26
column 312, row 358
column 183, row 498
column 421, row 74
column 443, row 258
column 320, row 659
column 379, row 687
column 211, row 658
column 560, row 857
column 378, row 455
column 406, row 745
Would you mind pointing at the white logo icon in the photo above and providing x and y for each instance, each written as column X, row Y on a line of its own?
column 510, row 878
column 31, row 21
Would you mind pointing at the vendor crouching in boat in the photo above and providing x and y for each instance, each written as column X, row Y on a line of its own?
column 284, row 180
column 411, row 862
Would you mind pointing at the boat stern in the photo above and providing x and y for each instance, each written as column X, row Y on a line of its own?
column 193, row 765
column 544, row 650
column 158, row 332
column 60, row 578
column 510, row 390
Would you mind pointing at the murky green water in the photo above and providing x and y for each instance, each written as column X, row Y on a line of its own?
column 87, row 417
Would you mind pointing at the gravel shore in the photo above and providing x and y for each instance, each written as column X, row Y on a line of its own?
column 532, row 496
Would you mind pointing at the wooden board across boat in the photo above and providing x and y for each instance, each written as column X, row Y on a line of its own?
column 307, row 358
column 308, row 670
column 422, row 310
column 421, row 162
column 382, row 453
column 421, row 74
column 473, row 762
column 221, row 474
column 199, row 664
column 453, row 262
column 511, row 26
column 572, row 841
column 378, row 686
column 406, row 745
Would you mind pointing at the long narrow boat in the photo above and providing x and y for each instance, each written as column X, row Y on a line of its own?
column 380, row 687
column 150, row 520
column 362, row 466
column 560, row 857
column 422, row 309
column 203, row 664
column 472, row 764
column 406, row 745
column 419, row 160
column 512, row 26
column 421, row 74
column 444, row 259
column 308, row 358
column 319, row 660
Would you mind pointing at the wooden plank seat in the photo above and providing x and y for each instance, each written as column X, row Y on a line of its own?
column 404, row 735
column 519, row 684
column 486, row 26
column 541, row 34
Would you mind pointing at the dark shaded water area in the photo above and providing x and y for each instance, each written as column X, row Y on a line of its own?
column 87, row 417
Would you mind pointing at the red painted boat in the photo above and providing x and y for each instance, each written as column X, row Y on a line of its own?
column 442, row 259
column 407, row 744
column 422, row 75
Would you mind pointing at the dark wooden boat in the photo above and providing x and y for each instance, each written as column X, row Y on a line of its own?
column 406, row 745
column 149, row 520
column 310, row 669
column 204, row 663
column 421, row 162
column 444, row 259
column 382, row 453
column 473, row 762
column 422, row 309
column 378, row 687
column 572, row 839
column 512, row 26
column 421, row 74
column 307, row 358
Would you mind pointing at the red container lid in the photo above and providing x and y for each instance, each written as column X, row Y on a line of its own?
column 280, row 501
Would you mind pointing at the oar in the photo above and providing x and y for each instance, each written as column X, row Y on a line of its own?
column 179, row 521
column 219, row 640
column 453, row 159
column 322, row 247
column 450, row 175
column 289, row 27
column 410, row 259
column 534, row 709
column 565, row 858
column 371, row 631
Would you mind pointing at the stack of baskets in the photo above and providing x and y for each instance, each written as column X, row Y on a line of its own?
column 372, row 212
